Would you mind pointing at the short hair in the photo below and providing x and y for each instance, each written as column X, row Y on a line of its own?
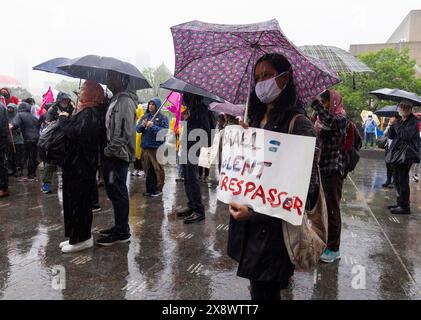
column 406, row 103
column 29, row 101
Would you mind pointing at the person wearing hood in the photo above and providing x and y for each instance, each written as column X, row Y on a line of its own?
column 16, row 148
column 404, row 152
column 30, row 127
column 34, row 107
column 8, row 98
column 149, row 126
column 80, row 166
column 119, row 152
column 138, row 163
column 331, row 127
column 63, row 104
column 4, row 145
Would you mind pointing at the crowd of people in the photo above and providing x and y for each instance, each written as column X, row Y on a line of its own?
column 103, row 137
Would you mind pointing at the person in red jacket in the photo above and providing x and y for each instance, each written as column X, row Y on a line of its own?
column 5, row 93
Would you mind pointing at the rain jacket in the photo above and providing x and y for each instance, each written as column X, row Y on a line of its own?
column 406, row 132
column 149, row 135
column 16, row 132
column 4, row 130
column 53, row 111
column 258, row 244
column 29, row 125
column 370, row 126
column 139, row 115
column 120, row 121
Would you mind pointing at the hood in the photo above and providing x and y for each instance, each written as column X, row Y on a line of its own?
column 24, row 107
column 8, row 91
column 156, row 101
column 12, row 114
column 63, row 96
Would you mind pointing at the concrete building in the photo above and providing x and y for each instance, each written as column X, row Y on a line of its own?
column 407, row 35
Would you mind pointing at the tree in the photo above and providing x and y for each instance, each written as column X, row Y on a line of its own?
column 392, row 69
column 68, row 87
column 20, row 93
column 155, row 76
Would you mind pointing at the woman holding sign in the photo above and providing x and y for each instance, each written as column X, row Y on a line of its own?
column 256, row 240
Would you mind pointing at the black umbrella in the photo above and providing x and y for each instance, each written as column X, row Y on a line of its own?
column 387, row 112
column 50, row 66
column 96, row 68
column 177, row 85
column 397, row 95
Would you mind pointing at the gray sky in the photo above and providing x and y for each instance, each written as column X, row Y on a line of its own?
column 138, row 31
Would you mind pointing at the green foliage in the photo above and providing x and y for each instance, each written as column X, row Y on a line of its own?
column 20, row 93
column 68, row 87
column 155, row 76
column 392, row 69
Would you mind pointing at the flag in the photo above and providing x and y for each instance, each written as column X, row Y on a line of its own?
column 47, row 97
column 176, row 100
column 3, row 101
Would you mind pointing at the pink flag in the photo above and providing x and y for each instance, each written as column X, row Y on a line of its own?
column 3, row 101
column 47, row 97
column 176, row 100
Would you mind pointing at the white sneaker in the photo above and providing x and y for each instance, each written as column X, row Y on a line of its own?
column 63, row 244
column 134, row 173
column 140, row 174
column 78, row 247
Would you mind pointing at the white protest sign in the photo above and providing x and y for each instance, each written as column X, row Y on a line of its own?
column 208, row 156
column 267, row 171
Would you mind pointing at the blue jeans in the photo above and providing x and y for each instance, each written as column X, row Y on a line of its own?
column 115, row 178
column 369, row 138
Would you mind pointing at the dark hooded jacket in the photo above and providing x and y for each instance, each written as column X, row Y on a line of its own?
column 4, row 130
column 53, row 111
column 149, row 136
column 16, row 132
column 27, row 123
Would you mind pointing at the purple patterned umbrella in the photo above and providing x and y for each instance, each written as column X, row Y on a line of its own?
column 220, row 59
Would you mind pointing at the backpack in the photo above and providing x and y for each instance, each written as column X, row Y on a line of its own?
column 353, row 144
column 52, row 144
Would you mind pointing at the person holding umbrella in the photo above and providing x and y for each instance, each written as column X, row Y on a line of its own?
column 4, row 145
column 80, row 166
column 255, row 240
column 119, row 152
column 403, row 153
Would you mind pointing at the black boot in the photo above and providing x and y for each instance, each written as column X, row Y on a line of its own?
column 400, row 210
column 184, row 212
column 387, row 184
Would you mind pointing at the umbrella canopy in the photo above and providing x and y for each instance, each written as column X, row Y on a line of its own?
column 336, row 58
column 50, row 66
column 96, row 68
column 387, row 112
column 182, row 86
column 397, row 95
column 220, row 59
column 6, row 81
column 236, row 110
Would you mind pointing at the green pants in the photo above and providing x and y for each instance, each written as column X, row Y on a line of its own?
column 49, row 170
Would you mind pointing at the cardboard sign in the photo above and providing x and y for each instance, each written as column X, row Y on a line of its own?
column 267, row 171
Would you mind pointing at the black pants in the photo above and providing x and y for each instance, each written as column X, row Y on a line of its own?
column 333, row 185
column 265, row 290
column 15, row 157
column 192, row 188
column 389, row 168
column 206, row 170
column 77, row 205
column 31, row 153
column 138, row 165
column 4, row 175
column 401, row 177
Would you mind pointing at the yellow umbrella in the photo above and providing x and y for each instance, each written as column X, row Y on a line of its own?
column 366, row 113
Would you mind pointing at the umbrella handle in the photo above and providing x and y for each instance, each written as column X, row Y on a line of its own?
column 246, row 111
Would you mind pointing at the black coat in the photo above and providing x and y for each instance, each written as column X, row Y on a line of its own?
column 29, row 125
column 53, row 111
column 82, row 131
column 406, row 132
column 4, row 128
column 258, row 244
column 200, row 118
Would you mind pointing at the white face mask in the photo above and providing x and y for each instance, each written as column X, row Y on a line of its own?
column 267, row 91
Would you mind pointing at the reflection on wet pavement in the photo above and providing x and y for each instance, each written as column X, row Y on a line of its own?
column 381, row 255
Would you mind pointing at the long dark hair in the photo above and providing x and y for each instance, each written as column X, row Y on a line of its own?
column 285, row 102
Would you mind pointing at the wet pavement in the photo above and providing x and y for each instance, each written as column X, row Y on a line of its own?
column 381, row 253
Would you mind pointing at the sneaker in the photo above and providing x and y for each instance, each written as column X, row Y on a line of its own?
column 400, row 210
column 184, row 213
column 63, row 244
column 96, row 208
column 415, row 178
column 330, row 256
column 134, row 173
column 156, row 194
column 386, row 184
column 147, row 194
column 106, row 232
column 393, row 206
column 78, row 247
column 140, row 174
column 113, row 239
column 46, row 188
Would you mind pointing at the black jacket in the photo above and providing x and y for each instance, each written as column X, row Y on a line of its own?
column 52, row 114
column 258, row 244
column 200, row 118
column 82, row 131
column 406, row 132
column 4, row 128
column 29, row 125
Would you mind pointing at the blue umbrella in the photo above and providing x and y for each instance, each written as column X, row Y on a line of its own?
column 97, row 68
column 50, row 66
